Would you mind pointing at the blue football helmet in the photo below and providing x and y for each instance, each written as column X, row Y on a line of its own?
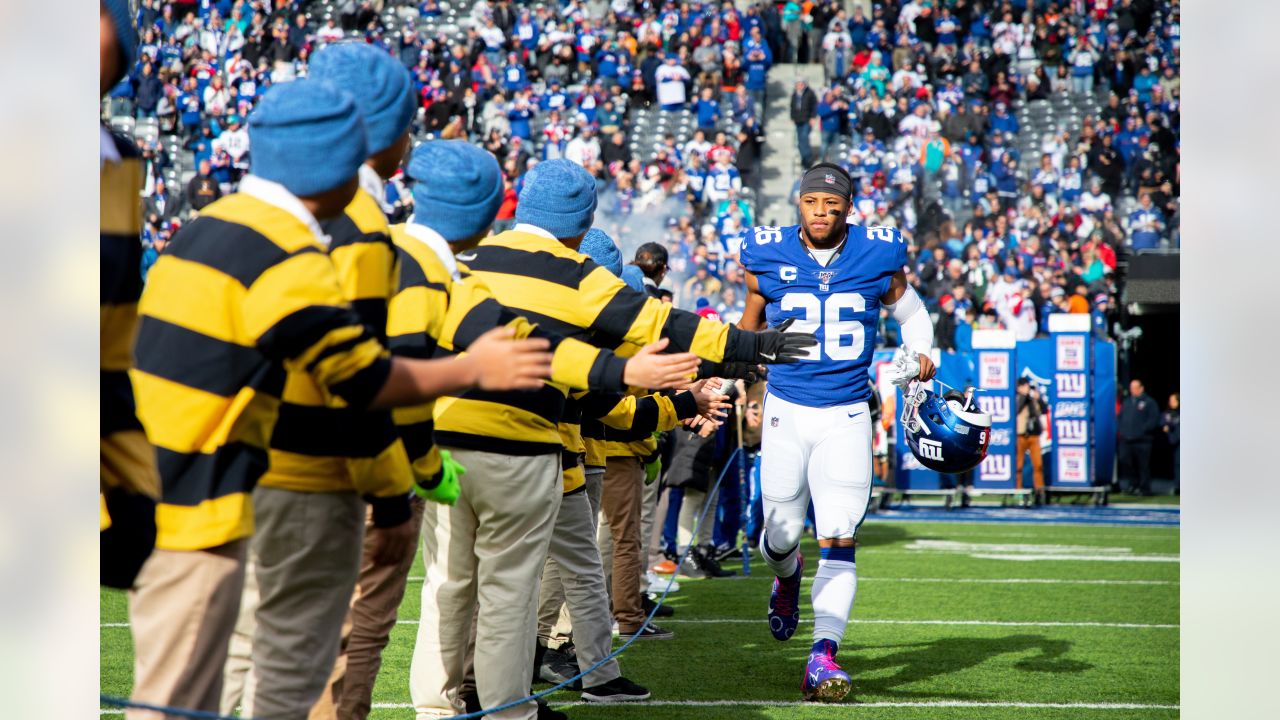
column 946, row 433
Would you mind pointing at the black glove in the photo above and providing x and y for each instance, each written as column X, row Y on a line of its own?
column 126, row 545
column 776, row 345
column 748, row 371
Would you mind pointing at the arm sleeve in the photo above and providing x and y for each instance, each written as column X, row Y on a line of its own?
column 296, row 315
column 917, row 327
column 628, row 418
column 610, row 307
column 576, row 364
column 367, row 274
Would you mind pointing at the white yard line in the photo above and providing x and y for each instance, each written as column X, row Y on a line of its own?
column 842, row 707
column 863, row 621
column 980, row 623
column 992, row 581
column 849, row 706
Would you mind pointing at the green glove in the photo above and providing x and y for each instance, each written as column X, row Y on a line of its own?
column 446, row 489
column 652, row 469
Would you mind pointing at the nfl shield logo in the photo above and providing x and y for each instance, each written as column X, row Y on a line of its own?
column 773, row 422
column 829, row 179
column 825, row 276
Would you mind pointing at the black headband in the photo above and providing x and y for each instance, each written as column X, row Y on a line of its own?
column 827, row 178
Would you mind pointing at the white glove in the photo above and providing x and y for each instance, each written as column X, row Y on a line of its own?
column 905, row 368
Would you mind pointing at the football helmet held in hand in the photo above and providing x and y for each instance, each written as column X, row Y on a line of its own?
column 946, row 433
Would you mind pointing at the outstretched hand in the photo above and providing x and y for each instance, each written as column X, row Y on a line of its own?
column 777, row 345
column 650, row 368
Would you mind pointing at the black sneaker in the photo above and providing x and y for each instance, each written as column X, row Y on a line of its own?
column 557, row 668
column 617, row 690
column 725, row 553
column 652, row 632
column 546, row 713
column 705, row 561
column 663, row 611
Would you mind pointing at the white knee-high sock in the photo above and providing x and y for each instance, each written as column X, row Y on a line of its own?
column 834, row 588
column 782, row 565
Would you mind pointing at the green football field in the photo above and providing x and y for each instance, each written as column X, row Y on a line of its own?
column 952, row 620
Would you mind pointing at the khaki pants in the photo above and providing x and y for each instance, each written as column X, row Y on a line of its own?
column 306, row 554
column 555, row 627
column 579, row 578
column 237, row 676
column 488, row 549
column 183, row 611
column 648, row 511
column 620, row 500
column 690, row 508
column 373, row 613
column 1030, row 444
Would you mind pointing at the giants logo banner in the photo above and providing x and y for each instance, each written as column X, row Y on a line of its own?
column 1071, row 349
column 1072, row 466
column 993, row 370
column 996, row 468
column 1071, row 409
column 1071, row 432
column 1072, row 386
column 997, row 406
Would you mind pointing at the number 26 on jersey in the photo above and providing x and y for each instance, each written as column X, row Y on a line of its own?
column 841, row 339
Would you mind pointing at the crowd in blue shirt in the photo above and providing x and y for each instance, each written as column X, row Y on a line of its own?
column 922, row 104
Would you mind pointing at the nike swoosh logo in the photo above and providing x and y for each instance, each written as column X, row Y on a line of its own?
column 467, row 258
column 813, row 677
column 768, row 357
column 854, row 415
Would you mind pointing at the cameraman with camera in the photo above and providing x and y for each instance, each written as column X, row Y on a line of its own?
column 1030, row 409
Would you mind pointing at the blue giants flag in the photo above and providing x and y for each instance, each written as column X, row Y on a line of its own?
column 1072, row 401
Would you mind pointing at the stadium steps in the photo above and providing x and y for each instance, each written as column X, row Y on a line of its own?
column 781, row 159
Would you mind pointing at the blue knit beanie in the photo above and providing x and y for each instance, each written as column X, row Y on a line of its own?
column 308, row 136
column 379, row 84
column 598, row 246
column 633, row 277
column 457, row 189
column 126, row 34
column 558, row 196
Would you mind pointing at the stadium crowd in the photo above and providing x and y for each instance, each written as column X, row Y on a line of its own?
column 925, row 104
column 664, row 105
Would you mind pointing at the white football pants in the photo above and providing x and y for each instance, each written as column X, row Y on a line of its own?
column 818, row 453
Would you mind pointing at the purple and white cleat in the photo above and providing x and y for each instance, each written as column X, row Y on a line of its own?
column 784, row 603
column 824, row 681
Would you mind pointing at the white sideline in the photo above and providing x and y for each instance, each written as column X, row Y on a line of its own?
column 990, row 623
column 846, row 707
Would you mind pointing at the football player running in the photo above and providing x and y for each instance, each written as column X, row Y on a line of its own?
column 830, row 279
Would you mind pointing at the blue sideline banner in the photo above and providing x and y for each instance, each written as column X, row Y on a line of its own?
column 994, row 365
column 1104, row 411
column 1087, row 448
column 1072, row 400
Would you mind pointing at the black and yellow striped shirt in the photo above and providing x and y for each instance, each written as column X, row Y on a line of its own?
column 242, row 295
column 127, row 461
column 434, row 315
column 315, row 446
column 623, row 426
column 566, row 293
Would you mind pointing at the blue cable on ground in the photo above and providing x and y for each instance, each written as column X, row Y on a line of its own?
column 180, row 712
column 711, row 493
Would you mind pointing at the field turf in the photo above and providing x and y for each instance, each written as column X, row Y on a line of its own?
column 952, row 620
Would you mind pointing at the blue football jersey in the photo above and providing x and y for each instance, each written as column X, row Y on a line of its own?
column 839, row 303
